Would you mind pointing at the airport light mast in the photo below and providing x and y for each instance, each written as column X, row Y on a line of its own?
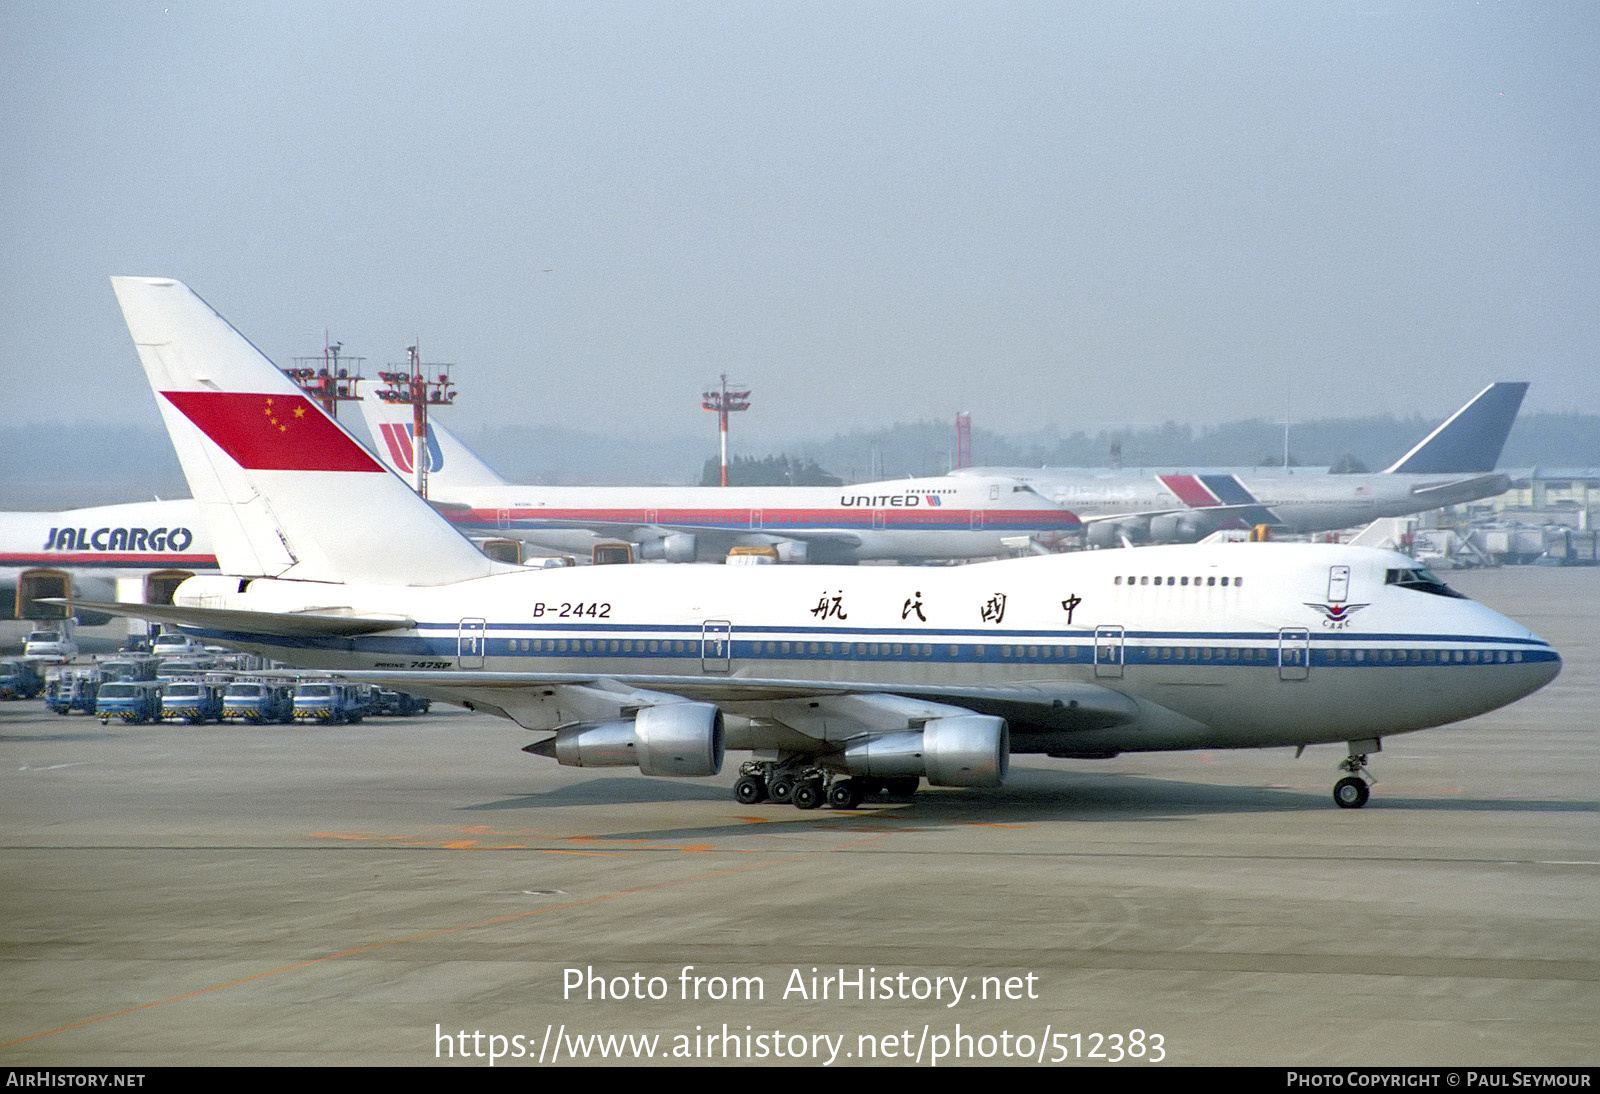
column 409, row 384
column 724, row 402
column 328, row 378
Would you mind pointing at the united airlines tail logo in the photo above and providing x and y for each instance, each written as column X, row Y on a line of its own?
column 1335, row 617
column 399, row 438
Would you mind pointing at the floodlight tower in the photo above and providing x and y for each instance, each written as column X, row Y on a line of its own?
column 724, row 402
column 410, row 384
column 330, row 379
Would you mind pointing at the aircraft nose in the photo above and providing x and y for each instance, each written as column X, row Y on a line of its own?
column 1535, row 667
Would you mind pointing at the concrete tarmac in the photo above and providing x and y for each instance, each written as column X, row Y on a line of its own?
column 417, row 891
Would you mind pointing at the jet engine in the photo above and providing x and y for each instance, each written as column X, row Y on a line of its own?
column 961, row 750
column 674, row 547
column 1110, row 533
column 1179, row 528
column 683, row 739
column 790, row 550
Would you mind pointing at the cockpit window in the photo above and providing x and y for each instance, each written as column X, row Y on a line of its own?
column 1422, row 580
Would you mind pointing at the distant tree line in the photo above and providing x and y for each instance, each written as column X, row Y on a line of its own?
column 1347, row 444
column 767, row 471
column 59, row 466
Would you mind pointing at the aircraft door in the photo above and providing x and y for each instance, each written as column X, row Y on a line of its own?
column 470, row 640
column 1338, row 584
column 755, row 518
column 1294, row 653
column 502, row 518
column 975, row 520
column 716, row 646
column 880, row 520
column 1108, row 652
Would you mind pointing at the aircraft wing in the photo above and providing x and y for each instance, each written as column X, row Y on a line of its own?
column 733, row 536
column 1057, row 706
column 323, row 622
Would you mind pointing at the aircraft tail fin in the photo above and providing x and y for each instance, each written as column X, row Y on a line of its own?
column 285, row 491
column 1471, row 439
column 452, row 466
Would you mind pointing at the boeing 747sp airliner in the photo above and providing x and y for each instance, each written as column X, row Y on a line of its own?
column 841, row 680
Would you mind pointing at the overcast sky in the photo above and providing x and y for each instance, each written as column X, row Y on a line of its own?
column 1082, row 214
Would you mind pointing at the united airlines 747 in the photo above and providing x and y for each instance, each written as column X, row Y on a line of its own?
column 946, row 517
column 842, row 681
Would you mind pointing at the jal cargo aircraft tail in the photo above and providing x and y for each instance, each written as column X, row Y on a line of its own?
column 844, row 681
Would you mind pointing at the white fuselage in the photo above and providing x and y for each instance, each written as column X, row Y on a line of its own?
column 1180, row 506
column 1226, row 646
column 935, row 518
column 92, row 548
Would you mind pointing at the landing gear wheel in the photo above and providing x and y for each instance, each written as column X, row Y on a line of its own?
column 781, row 789
column 807, row 795
column 1350, row 793
column 749, row 790
column 844, row 794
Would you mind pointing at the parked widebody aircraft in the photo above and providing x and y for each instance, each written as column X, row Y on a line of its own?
column 136, row 551
column 842, row 680
column 1453, row 465
column 902, row 519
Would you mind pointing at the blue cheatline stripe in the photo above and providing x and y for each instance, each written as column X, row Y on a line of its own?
column 907, row 634
column 1135, row 650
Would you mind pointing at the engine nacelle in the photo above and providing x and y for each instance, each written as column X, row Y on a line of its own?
column 681, row 739
column 1178, row 528
column 961, row 750
column 676, row 547
column 1110, row 533
column 792, row 551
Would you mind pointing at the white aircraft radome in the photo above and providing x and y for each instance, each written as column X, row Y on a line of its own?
column 841, row 680
column 922, row 519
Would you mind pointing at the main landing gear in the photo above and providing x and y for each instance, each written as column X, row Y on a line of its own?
column 807, row 787
column 1352, row 791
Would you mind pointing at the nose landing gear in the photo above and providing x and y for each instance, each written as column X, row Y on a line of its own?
column 1352, row 791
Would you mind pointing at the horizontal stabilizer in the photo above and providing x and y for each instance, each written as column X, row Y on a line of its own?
column 1489, row 485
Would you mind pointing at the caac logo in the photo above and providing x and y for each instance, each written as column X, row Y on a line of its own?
column 399, row 438
column 1336, row 617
